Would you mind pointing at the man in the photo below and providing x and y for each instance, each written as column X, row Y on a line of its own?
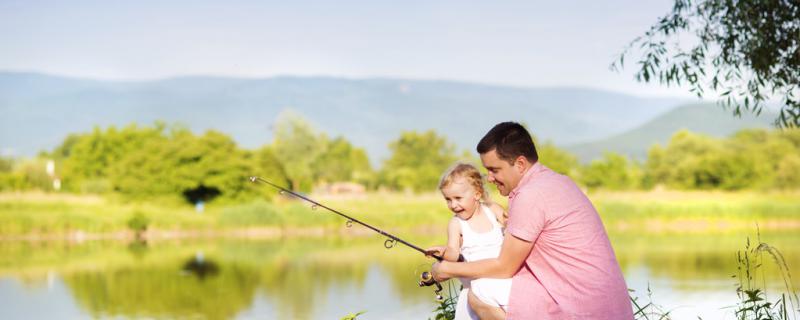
column 555, row 245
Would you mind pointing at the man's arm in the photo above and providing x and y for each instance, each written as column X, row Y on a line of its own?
column 512, row 256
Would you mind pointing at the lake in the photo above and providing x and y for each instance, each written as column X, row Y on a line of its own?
column 330, row 277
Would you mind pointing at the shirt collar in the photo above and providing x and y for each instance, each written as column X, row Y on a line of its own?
column 526, row 178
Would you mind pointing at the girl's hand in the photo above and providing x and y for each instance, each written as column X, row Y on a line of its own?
column 435, row 251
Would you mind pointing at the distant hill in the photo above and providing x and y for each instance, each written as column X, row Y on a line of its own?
column 706, row 118
column 38, row 110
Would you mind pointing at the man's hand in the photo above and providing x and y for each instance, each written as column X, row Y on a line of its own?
column 438, row 274
column 512, row 257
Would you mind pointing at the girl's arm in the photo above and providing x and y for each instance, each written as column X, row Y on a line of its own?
column 499, row 212
column 453, row 249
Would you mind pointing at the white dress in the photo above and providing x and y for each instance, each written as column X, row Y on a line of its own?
column 479, row 246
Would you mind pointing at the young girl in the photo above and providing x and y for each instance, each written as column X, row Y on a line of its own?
column 475, row 231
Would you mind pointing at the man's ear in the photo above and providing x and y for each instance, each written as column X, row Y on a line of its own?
column 521, row 163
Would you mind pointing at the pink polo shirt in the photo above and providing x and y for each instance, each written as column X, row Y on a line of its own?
column 572, row 272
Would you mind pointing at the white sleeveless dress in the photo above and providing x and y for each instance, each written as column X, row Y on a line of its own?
column 479, row 246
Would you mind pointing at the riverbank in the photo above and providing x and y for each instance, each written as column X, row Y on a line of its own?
column 50, row 216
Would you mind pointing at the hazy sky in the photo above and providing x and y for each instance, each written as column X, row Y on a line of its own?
column 524, row 43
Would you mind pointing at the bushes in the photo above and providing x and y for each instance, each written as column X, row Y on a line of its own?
column 172, row 162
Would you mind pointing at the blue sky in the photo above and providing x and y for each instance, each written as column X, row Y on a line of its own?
column 522, row 43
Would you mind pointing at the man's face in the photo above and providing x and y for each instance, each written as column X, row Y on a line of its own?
column 503, row 174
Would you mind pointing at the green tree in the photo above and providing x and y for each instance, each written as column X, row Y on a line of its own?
column 788, row 175
column 752, row 159
column 786, row 158
column 269, row 167
column 64, row 150
column 194, row 168
column 341, row 161
column 30, row 174
column 6, row 178
column 613, row 171
column 745, row 51
column 88, row 157
column 557, row 159
column 417, row 160
column 6, row 164
column 676, row 165
column 297, row 144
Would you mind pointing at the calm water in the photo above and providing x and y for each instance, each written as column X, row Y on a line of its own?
column 323, row 278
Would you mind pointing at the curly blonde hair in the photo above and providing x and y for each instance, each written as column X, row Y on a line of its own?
column 469, row 173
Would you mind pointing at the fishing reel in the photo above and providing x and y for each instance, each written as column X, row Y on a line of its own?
column 426, row 280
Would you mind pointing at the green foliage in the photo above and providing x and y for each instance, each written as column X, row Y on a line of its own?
column 160, row 291
column 31, row 174
column 138, row 223
column 787, row 175
column 746, row 52
column 613, row 172
column 296, row 145
column 6, row 164
column 89, row 157
column 559, row 160
column 174, row 164
column 183, row 165
column 750, row 159
column 258, row 213
column 309, row 158
column 268, row 166
column 64, row 150
column 417, row 161
column 753, row 302
column 341, row 161
column 446, row 308
column 649, row 310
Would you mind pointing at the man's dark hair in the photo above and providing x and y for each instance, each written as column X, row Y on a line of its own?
column 510, row 140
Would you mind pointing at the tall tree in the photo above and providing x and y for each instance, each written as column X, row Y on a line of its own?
column 193, row 168
column 557, row 159
column 613, row 172
column 341, row 161
column 745, row 51
column 418, row 160
column 88, row 157
column 297, row 144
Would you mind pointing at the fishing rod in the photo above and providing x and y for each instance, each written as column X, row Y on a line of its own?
column 389, row 243
column 426, row 278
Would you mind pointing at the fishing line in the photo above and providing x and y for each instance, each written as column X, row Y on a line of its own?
column 388, row 244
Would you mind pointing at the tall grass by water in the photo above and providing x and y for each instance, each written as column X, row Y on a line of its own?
column 654, row 212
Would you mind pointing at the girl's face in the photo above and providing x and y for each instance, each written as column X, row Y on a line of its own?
column 462, row 198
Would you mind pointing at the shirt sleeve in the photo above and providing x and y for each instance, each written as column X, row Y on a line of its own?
column 526, row 217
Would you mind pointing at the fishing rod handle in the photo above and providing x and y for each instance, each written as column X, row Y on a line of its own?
column 426, row 277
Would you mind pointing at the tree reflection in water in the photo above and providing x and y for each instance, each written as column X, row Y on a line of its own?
column 200, row 267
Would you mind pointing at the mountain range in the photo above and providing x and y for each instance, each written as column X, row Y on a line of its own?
column 39, row 110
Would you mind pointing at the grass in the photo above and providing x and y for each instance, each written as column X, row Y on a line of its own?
column 654, row 212
column 44, row 214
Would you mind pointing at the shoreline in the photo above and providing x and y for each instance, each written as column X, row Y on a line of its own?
column 650, row 226
column 251, row 233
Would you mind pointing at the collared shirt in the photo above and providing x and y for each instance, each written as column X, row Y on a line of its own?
column 571, row 272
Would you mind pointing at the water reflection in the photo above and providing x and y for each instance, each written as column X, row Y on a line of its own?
column 200, row 267
column 319, row 278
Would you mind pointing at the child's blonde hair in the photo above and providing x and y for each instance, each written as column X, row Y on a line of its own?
column 469, row 173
